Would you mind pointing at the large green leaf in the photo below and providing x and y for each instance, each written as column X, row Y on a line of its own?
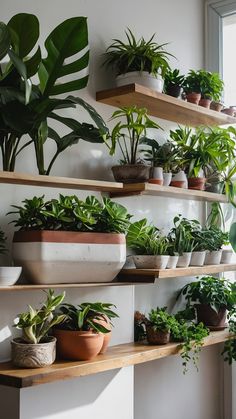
column 67, row 39
column 24, row 29
column 21, row 68
column 232, row 236
column 5, row 40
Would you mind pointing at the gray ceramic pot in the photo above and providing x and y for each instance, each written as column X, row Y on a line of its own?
column 131, row 173
column 27, row 355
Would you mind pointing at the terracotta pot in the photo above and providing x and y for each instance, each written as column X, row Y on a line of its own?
column 27, row 355
column 156, row 181
column 106, row 336
column 157, row 337
column 193, row 97
column 205, row 103
column 216, row 106
column 52, row 257
column 131, row 173
column 75, row 345
column 173, row 90
column 197, row 183
column 210, row 317
column 229, row 111
column 178, row 184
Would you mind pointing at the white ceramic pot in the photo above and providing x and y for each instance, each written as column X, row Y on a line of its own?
column 197, row 258
column 184, row 260
column 157, row 173
column 141, row 77
column 51, row 257
column 150, row 261
column 172, row 262
column 167, row 177
column 226, row 256
column 181, row 176
column 213, row 258
column 9, row 275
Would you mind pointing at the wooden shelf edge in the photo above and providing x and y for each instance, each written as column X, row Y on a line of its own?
column 32, row 287
column 116, row 357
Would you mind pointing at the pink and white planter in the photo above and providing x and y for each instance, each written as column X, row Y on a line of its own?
column 55, row 257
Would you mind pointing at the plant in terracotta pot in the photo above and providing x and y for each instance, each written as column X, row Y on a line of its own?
column 138, row 61
column 211, row 87
column 211, row 297
column 83, row 333
column 128, row 135
column 181, row 238
column 9, row 275
column 55, row 232
column 37, row 347
column 149, row 245
column 158, row 326
column 192, row 87
column 162, row 158
column 173, row 82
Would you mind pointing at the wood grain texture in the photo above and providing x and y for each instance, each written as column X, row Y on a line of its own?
column 149, row 275
column 116, row 357
column 34, row 287
column 163, row 106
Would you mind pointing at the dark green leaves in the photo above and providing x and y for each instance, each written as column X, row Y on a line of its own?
column 24, row 29
column 5, row 40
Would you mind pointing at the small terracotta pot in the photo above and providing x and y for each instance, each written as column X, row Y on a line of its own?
column 197, row 183
column 131, row 173
column 76, row 346
column 178, row 184
column 229, row 111
column 29, row 355
column 216, row 106
column 210, row 317
column 106, row 336
column 205, row 103
column 157, row 337
column 193, row 97
column 156, row 181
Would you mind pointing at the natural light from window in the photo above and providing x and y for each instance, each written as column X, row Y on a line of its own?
column 229, row 59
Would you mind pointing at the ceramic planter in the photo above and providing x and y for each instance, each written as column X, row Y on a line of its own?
column 76, row 345
column 156, row 176
column 216, row 106
column 193, row 97
column 197, row 258
column 9, row 275
column 215, row 186
column 157, row 337
column 131, row 173
column 209, row 317
column 229, row 111
column 174, row 90
column 180, row 180
column 141, row 77
column 27, row 355
column 184, row 260
column 226, row 256
column 172, row 262
column 213, row 258
column 167, row 177
column 205, row 103
column 197, row 183
column 151, row 261
column 51, row 257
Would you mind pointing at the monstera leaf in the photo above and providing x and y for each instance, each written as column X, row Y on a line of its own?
column 66, row 40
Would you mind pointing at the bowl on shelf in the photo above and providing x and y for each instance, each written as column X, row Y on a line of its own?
column 9, row 275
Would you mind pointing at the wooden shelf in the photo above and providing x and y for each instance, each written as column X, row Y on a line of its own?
column 169, row 192
column 163, row 106
column 30, row 287
column 151, row 275
column 116, row 357
column 59, row 182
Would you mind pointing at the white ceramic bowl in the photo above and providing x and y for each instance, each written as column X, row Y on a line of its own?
column 9, row 275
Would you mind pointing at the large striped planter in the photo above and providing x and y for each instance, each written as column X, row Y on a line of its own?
column 54, row 257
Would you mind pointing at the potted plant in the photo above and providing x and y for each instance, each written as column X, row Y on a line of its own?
column 138, row 61
column 37, row 348
column 179, row 137
column 180, row 236
column 227, row 252
column 173, row 82
column 82, row 335
column 128, row 136
column 9, row 275
column 149, row 246
column 162, row 158
column 211, row 87
column 199, row 248
column 158, row 326
column 211, row 297
column 69, row 240
column 192, row 87
column 214, row 239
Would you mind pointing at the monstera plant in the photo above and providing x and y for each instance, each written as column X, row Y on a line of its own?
column 26, row 108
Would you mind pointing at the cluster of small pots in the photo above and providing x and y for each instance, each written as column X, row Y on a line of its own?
column 178, row 180
column 209, row 104
column 183, row 261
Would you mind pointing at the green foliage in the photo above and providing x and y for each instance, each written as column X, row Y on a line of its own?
column 87, row 316
column 2, row 243
column 137, row 55
column 229, row 350
column 36, row 323
column 214, row 238
column 181, row 235
column 173, row 78
column 130, row 134
column 69, row 213
column 208, row 84
column 216, row 292
column 145, row 239
column 160, row 155
column 160, row 320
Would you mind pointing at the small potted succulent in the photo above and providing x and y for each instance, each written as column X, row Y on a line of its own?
column 162, row 158
column 158, row 326
column 37, row 347
column 128, row 135
column 85, row 331
column 211, row 297
column 180, row 236
column 173, row 83
column 138, row 61
column 9, row 275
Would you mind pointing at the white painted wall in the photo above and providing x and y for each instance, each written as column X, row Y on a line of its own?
column 159, row 388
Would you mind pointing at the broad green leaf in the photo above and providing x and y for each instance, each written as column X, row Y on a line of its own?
column 21, row 68
column 232, row 236
column 5, row 40
column 24, row 28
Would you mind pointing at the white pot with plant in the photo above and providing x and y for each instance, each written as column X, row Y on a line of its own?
column 227, row 251
column 138, row 61
column 199, row 247
column 9, row 275
column 36, row 348
column 214, row 240
column 67, row 240
column 127, row 136
column 149, row 246
column 161, row 157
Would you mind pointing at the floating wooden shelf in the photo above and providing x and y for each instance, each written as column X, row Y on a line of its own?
column 116, row 357
column 32, row 287
column 169, row 192
column 163, row 106
column 150, row 275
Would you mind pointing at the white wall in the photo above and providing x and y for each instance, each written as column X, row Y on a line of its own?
column 155, row 383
